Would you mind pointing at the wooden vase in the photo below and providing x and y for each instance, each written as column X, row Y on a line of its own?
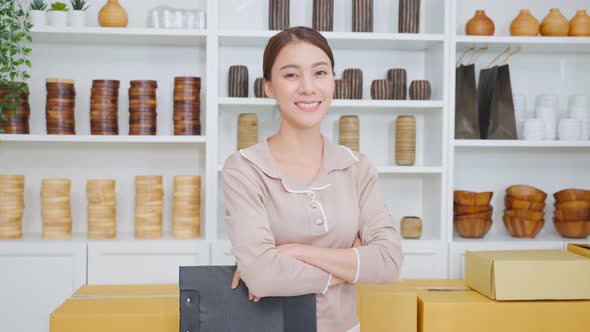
column 381, row 90
column 555, row 24
column 186, row 210
column 480, row 25
column 104, row 107
column 348, row 132
column 397, row 77
column 420, row 90
column 112, row 14
column 259, row 88
column 102, row 209
column 409, row 16
column 342, row 89
column 56, row 209
column 142, row 107
column 405, row 140
column 362, row 15
column 149, row 197
column 187, row 105
column 278, row 14
column 411, row 227
column 525, row 24
column 12, row 205
column 16, row 121
column 355, row 77
column 247, row 130
column 323, row 15
column 580, row 24
column 238, row 81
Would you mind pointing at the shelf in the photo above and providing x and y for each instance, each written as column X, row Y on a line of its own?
column 348, row 40
column 101, row 138
column 83, row 237
column 127, row 36
column 247, row 103
column 504, row 237
column 482, row 143
column 409, row 169
column 527, row 44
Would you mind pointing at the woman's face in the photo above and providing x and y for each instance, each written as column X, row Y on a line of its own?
column 302, row 82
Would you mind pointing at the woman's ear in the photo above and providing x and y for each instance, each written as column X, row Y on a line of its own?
column 268, row 89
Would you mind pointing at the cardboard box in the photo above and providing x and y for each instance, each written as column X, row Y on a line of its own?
column 119, row 308
column 528, row 274
column 469, row 311
column 393, row 307
column 579, row 249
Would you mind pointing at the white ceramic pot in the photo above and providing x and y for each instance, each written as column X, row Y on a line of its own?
column 77, row 18
column 57, row 18
column 38, row 18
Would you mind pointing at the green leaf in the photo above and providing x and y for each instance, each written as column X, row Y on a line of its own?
column 30, row 39
column 28, row 63
column 26, row 76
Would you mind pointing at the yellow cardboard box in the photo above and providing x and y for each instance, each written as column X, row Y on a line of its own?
column 394, row 307
column 469, row 311
column 119, row 308
column 528, row 274
column 579, row 249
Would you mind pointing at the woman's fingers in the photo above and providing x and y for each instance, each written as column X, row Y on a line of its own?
column 236, row 280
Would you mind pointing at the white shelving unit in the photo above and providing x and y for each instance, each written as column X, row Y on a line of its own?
column 237, row 34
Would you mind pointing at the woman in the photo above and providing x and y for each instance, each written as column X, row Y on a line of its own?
column 306, row 215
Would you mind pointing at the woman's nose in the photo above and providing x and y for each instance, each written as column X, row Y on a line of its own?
column 306, row 85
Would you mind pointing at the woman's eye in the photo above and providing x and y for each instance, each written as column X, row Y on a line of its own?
column 321, row 73
column 291, row 75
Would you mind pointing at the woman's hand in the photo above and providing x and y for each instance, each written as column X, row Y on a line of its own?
column 236, row 281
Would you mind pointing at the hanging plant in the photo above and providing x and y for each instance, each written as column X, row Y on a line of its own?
column 14, row 54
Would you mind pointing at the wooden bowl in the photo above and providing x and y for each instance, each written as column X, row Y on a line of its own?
column 568, row 195
column 526, row 193
column 572, row 214
column 572, row 229
column 481, row 215
column 523, row 228
column 473, row 228
column 526, row 214
column 472, row 198
column 461, row 210
column 512, row 203
column 572, row 205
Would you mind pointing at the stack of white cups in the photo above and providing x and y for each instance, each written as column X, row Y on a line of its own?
column 578, row 109
column 533, row 129
column 520, row 114
column 547, row 109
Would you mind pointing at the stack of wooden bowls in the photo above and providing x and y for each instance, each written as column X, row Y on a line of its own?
column 405, row 140
column 149, row 197
column 17, row 120
column 186, row 210
column 60, row 106
column 187, row 106
column 12, row 206
column 472, row 213
column 56, row 209
column 349, row 132
column 572, row 213
column 102, row 209
column 104, row 107
column 247, row 130
column 142, row 107
column 524, row 215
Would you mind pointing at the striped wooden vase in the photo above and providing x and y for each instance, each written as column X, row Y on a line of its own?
column 259, row 88
column 355, row 76
column 362, row 15
column 409, row 16
column 342, row 89
column 102, row 209
column 397, row 79
column 323, row 15
column 348, row 132
column 149, row 198
column 381, row 89
column 278, row 14
column 420, row 90
column 186, row 208
column 12, row 205
column 238, row 81
column 247, row 130
column 405, row 140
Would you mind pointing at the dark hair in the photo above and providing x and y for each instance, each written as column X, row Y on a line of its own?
column 283, row 38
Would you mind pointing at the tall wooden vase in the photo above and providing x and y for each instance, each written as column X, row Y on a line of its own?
column 112, row 14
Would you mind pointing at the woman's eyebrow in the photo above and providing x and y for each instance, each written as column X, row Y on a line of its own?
column 321, row 63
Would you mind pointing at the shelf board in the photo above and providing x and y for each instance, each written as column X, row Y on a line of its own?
column 527, row 44
column 482, row 143
column 101, row 138
column 127, row 36
column 340, row 103
column 409, row 169
column 29, row 238
column 347, row 40
column 504, row 237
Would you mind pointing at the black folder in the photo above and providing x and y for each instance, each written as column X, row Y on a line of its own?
column 208, row 304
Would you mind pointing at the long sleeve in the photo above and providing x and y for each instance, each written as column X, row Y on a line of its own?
column 261, row 267
column 380, row 256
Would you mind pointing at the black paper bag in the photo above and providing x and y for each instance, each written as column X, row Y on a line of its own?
column 502, row 124
column 485, row 92
column 466, row 114
column 208, row 304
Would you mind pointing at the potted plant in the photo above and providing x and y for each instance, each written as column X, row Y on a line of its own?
column 15, row 27
column 37, row 12
column 58, row 14
column 78, row 13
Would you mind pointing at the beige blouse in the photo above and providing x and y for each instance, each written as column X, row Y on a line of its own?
column 264, row 208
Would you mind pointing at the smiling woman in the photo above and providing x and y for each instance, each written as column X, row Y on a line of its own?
column 306, row 215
